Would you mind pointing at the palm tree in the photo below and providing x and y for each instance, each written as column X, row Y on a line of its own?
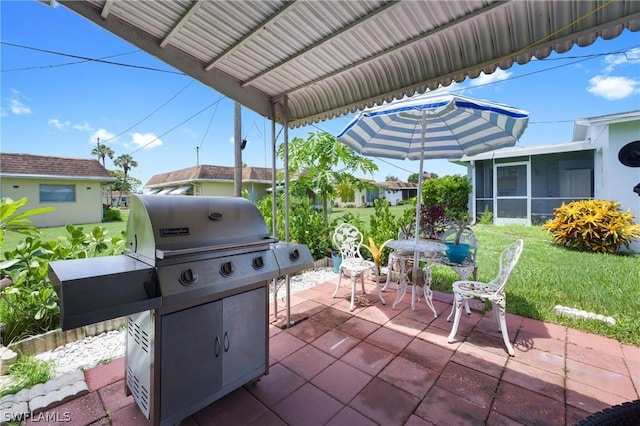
column 102, row 151
column 126, row 163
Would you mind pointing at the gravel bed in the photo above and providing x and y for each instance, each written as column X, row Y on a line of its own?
column 91, row 351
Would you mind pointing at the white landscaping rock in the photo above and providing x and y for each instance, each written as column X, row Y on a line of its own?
column 577, row 313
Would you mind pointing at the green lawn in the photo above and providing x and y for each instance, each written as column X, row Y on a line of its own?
column 11, row 239
column 544, row 277
column 366, row 213
column 547, row 275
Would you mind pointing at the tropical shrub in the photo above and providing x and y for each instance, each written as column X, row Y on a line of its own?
column 112, row 215
column 592, row 225
column 13, row 220
column 486, row 218
column 433, row 220
column 30, row 305
column 383, row 226
column 450, row 191
column 306, row 226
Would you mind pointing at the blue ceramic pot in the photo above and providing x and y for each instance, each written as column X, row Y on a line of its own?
column 457, row 253
column 337, row 261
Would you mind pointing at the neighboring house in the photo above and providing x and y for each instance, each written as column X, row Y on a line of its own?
column 398, row 192
column 361, row 197
column 72, row 186
column 524, row 185
column 210, row 180
column 394, row 192
column 112, row 197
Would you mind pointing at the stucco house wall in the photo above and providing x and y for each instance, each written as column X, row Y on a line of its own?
column 587, row 167
column 21, row 175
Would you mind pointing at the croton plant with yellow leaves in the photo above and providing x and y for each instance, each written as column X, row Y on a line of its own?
column 593, row 225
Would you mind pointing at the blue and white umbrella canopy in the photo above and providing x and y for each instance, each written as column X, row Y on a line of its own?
column 453, row 126
column 444, row 126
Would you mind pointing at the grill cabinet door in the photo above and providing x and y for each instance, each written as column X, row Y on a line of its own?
column 244, row 337
column 191, row 359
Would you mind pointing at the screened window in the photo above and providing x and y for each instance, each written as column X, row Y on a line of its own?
column 57, row 193
column 372, row 194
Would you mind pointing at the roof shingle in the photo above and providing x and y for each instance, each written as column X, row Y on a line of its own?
column 206, row 172
column 41, row 165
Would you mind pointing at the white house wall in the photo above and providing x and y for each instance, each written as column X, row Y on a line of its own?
column 86, row 209
column 622, row 179
column 393, row 197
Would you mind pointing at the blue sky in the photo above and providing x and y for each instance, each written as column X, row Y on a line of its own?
column 55, row 104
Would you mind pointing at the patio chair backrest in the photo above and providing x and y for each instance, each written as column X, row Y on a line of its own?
column 348, row 239
column 508, row 259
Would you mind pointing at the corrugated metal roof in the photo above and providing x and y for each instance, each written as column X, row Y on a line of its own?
column 330, row 58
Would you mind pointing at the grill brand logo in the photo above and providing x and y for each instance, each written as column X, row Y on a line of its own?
column 215, row 216
column 173, row 232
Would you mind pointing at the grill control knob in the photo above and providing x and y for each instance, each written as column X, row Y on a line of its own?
column 226, row 269
column 188, row 277
column 258, row 262
column 294, row 255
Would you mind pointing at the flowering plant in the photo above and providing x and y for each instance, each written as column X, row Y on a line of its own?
column 433, row 220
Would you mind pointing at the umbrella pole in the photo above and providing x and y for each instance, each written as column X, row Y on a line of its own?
column 416, row 267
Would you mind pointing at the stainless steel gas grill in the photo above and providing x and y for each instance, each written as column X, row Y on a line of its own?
column 193, row 283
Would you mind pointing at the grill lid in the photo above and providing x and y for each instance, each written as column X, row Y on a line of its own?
column 162, row 226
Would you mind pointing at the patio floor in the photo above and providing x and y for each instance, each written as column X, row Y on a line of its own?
column 379, row 365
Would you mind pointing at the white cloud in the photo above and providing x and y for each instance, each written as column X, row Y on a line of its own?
column 84, row 126
column 483, row 79
column 103, row 134
column 16, row 104
column 60, row 125
column 613, row 61
column 145, row 140
column 613, row 88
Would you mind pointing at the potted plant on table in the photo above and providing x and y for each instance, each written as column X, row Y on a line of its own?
column 457, row 251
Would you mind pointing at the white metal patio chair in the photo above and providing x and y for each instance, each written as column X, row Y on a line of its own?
column 348, row 239
column 492, row 291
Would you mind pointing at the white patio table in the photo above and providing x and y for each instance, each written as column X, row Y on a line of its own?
column 423, row 247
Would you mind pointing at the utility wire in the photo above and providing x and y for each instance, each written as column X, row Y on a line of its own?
column 179, row 124
column 151, row 113
column 83, row 59
column 209, row 125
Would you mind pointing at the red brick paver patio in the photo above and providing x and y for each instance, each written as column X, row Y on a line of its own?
column 379, row 365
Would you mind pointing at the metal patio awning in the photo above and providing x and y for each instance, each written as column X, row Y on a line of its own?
column 330, row 58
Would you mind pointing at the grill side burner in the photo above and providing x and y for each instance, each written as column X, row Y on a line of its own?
column 193, row 283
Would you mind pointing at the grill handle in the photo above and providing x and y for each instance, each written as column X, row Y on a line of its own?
column 226, row 341
column 217, row 346
column 260, row 244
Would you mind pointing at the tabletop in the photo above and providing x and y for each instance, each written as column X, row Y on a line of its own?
column 420, row 245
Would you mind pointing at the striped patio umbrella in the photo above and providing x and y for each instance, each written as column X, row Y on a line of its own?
column 434, row 127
